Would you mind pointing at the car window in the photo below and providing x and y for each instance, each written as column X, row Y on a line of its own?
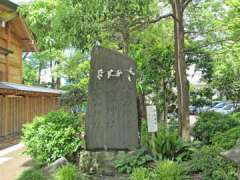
column 228, row 107
column 220, row 105
column 215, row 103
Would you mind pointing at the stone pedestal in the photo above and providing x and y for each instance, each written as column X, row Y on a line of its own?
column 106, row 170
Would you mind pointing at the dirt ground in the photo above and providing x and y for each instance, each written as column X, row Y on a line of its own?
column 13, row 161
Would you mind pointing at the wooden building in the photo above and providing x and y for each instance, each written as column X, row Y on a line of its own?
column 15, row 38
column 19, row 104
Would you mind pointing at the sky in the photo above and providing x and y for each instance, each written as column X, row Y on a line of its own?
column 20, row 1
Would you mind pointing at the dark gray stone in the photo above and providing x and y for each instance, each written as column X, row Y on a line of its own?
column 233, row 155
column 112, row 122
column 117, row 177
column 55, row 165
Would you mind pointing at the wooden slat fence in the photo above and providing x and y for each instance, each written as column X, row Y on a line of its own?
column 18, row 110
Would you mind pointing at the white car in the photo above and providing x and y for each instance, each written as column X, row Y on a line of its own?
column 218, row 106
column 228, row 108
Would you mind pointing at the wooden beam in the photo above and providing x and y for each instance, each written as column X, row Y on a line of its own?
column 5, row 51
column 25, row 93
column 29, row 33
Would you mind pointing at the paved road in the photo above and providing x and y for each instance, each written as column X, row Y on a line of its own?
column 13, row 162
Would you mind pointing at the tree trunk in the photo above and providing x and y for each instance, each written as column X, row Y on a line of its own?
column 52, row 75
column 180, row 68
column 165, row 103
column 39, row 74
column 142, row 108
column 125, row 36
column 58, row 82
column 58, row 79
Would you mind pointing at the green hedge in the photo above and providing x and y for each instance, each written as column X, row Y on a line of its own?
column 52, row 136
column 210, row 123
column 227, row 139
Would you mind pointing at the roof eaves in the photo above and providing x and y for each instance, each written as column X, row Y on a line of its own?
column 29, row 33
column 9, row 4
column 33, row 89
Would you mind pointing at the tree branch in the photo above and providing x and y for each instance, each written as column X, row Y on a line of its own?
column 142, row 24
column 160, row 18
column 185, row 4
column 25, row 55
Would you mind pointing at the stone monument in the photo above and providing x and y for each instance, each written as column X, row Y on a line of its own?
column 112, row 122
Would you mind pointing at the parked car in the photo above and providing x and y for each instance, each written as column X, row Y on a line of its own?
column 204, row 109
column 208, row 108
column 228, row 108
column 219, row 106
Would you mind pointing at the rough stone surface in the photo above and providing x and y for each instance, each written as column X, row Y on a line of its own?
column 233, row 155
column 105, row 161
column 55, row 165
column 117, row 177
column 112, row 122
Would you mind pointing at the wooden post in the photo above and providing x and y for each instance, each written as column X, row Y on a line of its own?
column 5, row 100
column 8, row 29
column 27, row 109
column 42, row 104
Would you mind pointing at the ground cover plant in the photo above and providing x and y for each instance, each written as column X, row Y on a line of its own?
column 210, row 165
column 127, row 162
column 68, row 172
column 34, row 173
column 161, row 170
column 140, row 174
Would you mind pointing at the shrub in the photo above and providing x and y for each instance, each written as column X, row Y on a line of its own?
column 236, row 115
column 126, row 162
column 144, row 133
column 52, row 136
column 211, row 165
column 68, row 172
column 227, row 139
column 166, row 143
column 169, row 170
column 210, row 123
column 140, row 174
column 32, row 174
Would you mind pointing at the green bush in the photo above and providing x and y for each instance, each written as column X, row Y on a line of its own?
column 144, row 133
column 52, row 136
column 126, row 162
column 32, row 174
column 236, row 115
column 166, row 143
column 140, row 174
column 169, row 170
column 68, row 172
column 227, row 139
column 211, row 165
column 210, row 123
